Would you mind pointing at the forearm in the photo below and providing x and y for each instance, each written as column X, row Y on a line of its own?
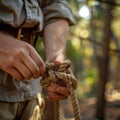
column 55, row 36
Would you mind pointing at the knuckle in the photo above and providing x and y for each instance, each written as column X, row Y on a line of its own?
column 20, row 52
column 29, row 47
column 9, row 63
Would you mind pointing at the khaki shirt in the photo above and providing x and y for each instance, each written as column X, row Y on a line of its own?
column 28, row 13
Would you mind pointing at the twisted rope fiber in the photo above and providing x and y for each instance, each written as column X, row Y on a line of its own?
column 57, row 74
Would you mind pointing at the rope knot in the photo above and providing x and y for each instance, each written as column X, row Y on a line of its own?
column 58, row 74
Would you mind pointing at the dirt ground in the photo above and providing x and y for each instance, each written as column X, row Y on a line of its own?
column 112, row 110
column 88, row 109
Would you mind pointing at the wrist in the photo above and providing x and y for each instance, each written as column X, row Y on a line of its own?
column 55, row 58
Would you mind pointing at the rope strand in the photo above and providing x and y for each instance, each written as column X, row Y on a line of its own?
column 57, row 74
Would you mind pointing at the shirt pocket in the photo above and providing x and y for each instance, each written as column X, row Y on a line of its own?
column 34, row 16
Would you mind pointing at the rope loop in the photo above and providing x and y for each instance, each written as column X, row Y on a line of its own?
column 58, row 74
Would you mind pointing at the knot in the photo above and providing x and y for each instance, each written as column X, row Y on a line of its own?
column 58, row 74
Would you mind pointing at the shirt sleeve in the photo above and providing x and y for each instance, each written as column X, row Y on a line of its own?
column 57, row 9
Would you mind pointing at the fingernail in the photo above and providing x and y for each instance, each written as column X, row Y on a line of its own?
column 43, row 71
column 58, row 63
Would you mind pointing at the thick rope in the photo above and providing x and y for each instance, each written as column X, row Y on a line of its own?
column 57, row 74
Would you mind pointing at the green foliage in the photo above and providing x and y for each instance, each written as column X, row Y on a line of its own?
column 83, row 55
column 39, row 46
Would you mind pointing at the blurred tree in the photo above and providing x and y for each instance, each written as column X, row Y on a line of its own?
column 85, row 44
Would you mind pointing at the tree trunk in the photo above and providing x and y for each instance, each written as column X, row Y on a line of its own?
column 104, row 65
column 49, row 109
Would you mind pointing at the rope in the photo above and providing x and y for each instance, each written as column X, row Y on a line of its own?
column 57, row 74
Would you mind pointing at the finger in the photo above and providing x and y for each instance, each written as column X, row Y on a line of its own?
column 55, row 97
column 38, row 60
column 58, row 89
column 22, row 68
column 15, row 73
column 31, row 65
column 59, row 60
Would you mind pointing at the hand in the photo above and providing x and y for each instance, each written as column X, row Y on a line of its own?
column 19, row 59
column 58, row 91
column 55, row 35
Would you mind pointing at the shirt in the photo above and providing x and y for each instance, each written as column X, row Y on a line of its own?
column 27, row 14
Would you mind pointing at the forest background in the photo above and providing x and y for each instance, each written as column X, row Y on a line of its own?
column 93, row 46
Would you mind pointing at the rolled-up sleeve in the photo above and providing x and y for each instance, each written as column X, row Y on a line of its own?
column 56, row 10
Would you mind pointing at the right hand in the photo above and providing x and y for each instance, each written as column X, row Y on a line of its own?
column 19, row 59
